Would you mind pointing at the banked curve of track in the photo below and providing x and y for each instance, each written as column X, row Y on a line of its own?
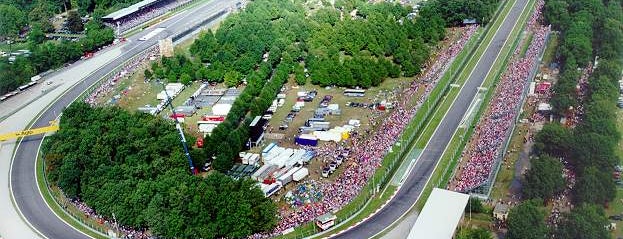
column 23, row 182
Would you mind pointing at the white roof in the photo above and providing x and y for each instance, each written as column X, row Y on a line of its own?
column 128, row 10
column 440, row 216
column 544, row 107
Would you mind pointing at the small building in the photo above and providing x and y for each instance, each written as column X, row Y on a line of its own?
column 325, row 221
column 186, row 110
column 440, row 216
column 469, row 21
column 256, row 131
column 544, row 107
column 543, row 87
column 500, row 211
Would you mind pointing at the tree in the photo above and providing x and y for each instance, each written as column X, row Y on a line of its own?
column 594, row 186
column 74, row 22
column 592, row 149
column 474, row 205
column 232, row 78
column 586, row 221
column 147, row 74
column 474, row 233
column 544, row 178
column 136, row 169
column 36, row 34
column 11, row 21
column 553, row 139
column 41, row 14
column 527, row 221
column 186, row 79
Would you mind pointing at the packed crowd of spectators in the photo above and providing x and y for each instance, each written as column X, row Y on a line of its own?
column 562, row 202
column 124, row 232
column 108, row 85
column 493, row 130
column 575, row 115
column 145, row 14
column 365, row 151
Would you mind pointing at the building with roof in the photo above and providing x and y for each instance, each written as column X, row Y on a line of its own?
column 500, row 211
column 129, row 10
column 440, row 216
column 256, row 131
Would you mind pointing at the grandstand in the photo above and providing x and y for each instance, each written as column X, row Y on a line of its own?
column 139, row 13
column 128, row 11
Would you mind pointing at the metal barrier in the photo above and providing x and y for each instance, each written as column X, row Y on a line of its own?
column 415, row 128
column 484, row 190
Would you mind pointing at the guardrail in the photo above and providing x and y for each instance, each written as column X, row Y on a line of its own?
column 413, row 129
column 102, row 229
column 502, row 153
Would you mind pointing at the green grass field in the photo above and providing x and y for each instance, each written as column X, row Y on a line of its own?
column 550, row 49
column 616, row 206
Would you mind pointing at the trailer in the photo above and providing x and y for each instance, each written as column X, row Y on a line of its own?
column 312, row 120
column 300, row 174
column 254, row 159
column 306, row 139
column 281, row 172
column 268, row 148
column 263, row 172
column 245, row 158
column 287, row 177
column 270, row 189
column 323, row 125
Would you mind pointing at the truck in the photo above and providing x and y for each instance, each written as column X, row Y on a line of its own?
column 306, row 139
column 287, row 177
column 311, row 120
column 321, row 125
column 270, row 189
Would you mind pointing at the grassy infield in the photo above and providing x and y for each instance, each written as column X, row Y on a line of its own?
column 390, row 162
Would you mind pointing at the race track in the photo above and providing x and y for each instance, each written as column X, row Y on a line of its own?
column 425, row 165
column 22, row 176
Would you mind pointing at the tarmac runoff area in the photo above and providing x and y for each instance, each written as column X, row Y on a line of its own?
column 18, row 113
column 11, row 225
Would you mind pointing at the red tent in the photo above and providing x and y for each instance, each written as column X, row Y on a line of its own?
column 543, row 87
column 177, row 115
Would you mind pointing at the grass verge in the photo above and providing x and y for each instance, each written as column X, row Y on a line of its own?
column 449, row 159
column 616, row 206
column 361, row 205
column 58, row 210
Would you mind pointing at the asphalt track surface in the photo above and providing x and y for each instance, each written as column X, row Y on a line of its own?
column 425, row 165
column 22, row 178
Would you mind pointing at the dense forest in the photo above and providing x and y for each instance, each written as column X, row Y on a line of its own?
column 351, row 43
column 132, row 165
column 590, row 30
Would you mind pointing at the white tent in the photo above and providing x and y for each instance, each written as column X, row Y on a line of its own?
column 544, row 107
column 221, row 109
